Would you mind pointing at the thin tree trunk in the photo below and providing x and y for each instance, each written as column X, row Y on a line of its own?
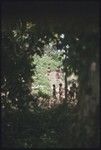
column 65, row 100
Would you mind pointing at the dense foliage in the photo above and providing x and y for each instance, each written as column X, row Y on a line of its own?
column 40, row 79
column 18, row 47
column 23, row 64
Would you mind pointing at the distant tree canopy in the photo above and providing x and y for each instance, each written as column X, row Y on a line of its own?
column 19, row 46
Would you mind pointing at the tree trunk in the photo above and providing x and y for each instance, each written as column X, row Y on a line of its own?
column 65, row 100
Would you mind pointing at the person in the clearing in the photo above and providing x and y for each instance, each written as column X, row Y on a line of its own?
column 74, row 90
column 60, row 92
column 71, row 93
column 54, row 91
